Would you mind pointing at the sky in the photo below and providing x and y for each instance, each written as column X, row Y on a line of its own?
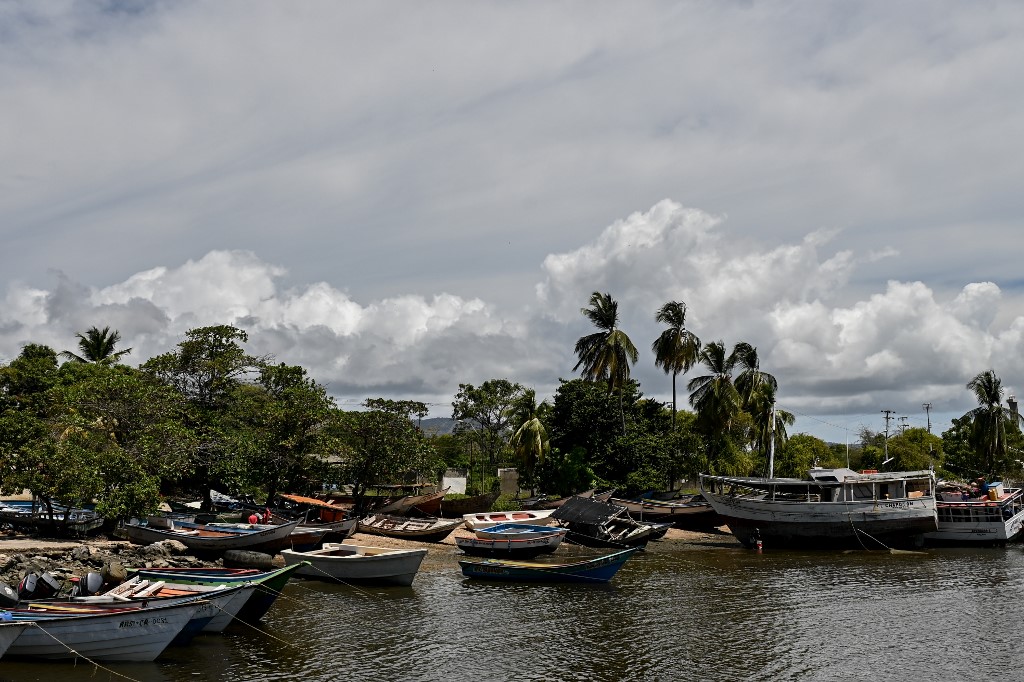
column 402, row 197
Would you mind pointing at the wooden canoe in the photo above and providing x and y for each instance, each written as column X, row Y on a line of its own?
column 407, row 528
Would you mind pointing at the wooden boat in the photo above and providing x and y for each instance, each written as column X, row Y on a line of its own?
column 123, row 634
column 594, row 523
column 352, row 563
column 831, row 508
column 512, row 546
column 302, row 538
column 536, row 517
column 518, row 531
column 467, row 505
column 422, row 505
column 994, row 519
column 692, row 512
column 317, row 513
column 207, row 539
column 221, row 602
column 407, row 528
column 32, row 517
column 268, row 584
column 596, row 570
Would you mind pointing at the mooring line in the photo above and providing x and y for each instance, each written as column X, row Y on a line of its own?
column 77, row 654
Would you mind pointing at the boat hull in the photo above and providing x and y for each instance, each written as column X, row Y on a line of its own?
column 599, row 570
column 976, row 522
column 406, row 528
column 361, row 564
column 214, row 541
column 497, row 546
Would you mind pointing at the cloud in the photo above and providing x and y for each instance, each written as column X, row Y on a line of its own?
column 903, row 344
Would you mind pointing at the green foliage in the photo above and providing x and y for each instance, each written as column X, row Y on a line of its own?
column 485, row 415
column 915, row 449
column 507, row 503
column 801, row 452
column 566, row 473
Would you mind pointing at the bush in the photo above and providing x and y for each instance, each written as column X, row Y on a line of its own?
column 507, row 503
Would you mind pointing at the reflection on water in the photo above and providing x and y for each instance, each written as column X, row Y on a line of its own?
column 711, row 613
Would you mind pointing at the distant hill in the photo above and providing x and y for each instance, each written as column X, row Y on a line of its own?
column 438, row 426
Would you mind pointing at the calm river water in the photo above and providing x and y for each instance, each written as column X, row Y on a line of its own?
column 707, row 613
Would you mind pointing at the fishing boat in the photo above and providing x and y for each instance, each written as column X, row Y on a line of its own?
column 536, row 517
column 995, row 518
column 830, row 508
column 121, row 634
column 302, row 538
column 595, row 570
column 519, row 531
column 594, row 523
column 524, row 546
column 335, row 519
column 209, row 539
column 352, row 563
column 421, row 505
column 692, row 512
column 56, row 520
column 268, row 584
column 476, row 504
column 408, row 528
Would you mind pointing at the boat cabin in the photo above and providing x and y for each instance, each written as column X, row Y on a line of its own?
column 832, row 485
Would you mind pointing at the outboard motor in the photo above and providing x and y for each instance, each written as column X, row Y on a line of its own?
column 8, row 597
column 35, row 586
column 89, row 584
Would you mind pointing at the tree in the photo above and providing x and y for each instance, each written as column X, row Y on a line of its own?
column 989, row 421
column 606, row 355
column 769, row 422
column 800, row 453
column 751, row 378
column 915, row 449
column 485, row 414
column 677, row 349
column 530, row 441
column 713, row 395
column 97, row 345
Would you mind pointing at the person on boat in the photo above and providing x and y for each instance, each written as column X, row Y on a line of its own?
column 254, row 518
column 267, row 515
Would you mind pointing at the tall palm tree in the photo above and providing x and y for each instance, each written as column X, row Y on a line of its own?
column 989, row 419
column 714, row 395
column 97, row 345
column 530, row 440
column 751, row 378
column 607, row 354
column 677, row 349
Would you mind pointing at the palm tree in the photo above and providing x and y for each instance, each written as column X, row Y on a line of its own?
column 989, row 419
column 713, row 395
column 751, row 378
column 677, row 349
column 530, row 441
column 97, row 346
column 607, row 353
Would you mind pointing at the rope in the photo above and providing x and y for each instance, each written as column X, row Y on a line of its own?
column 77, row 654
column 337, row 580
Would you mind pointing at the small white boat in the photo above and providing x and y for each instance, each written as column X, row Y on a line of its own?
column 534, row 517
column 352, row 563
column 112, row 635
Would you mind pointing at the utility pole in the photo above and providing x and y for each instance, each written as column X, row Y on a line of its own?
column 903, row 425
column 885, row 445
column 928, row 413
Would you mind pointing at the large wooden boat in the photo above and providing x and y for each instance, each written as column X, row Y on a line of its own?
column 993, row 519
column 830, row 508
column 536, row 517
column 124, row 634
column 692, row 512
column 209, row 539
column 475, row 504
column 408, row 528
column 420, row 505
column 596, row 570
column 361, row 564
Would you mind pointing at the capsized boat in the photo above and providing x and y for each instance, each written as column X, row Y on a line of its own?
column 351, row 563
column 595, row 570
column 594, row 523
column 830, row 508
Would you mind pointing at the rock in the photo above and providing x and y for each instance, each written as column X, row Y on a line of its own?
column 113, row 572
column 240, row 558
column 81, row 553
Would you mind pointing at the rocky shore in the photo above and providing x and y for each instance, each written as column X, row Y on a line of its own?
column 20, row 555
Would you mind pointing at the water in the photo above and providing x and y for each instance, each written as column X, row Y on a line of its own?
column 709, row 613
